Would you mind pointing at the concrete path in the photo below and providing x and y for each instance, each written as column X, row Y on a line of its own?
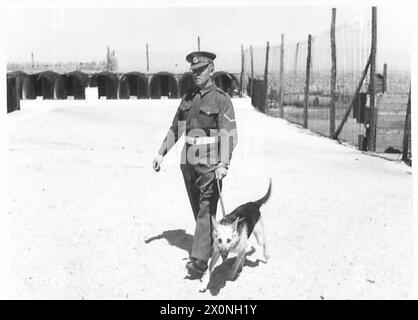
column 89, row 219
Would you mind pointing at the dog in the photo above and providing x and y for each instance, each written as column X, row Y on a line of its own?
column 230, row 234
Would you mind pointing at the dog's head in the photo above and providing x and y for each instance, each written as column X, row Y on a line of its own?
column 225, row 236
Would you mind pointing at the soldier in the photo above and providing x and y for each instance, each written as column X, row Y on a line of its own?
column 207, row 116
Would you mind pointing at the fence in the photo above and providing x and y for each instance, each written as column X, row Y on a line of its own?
column 301, row 88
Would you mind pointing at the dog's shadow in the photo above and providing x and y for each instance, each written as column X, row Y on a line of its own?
column 180, row 239
column 220, row 273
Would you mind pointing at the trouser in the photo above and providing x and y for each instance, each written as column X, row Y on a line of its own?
column 203, row 195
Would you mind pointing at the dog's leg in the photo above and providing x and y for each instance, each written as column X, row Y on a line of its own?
column 206, row 277
column 215, row 257
column 239, row 260
column 259, row 235
column 263, row 237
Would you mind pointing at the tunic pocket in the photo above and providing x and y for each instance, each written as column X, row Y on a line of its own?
column 208, row 116
column 209, row 109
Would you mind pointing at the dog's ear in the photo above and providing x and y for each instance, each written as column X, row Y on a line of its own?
column 235, row 224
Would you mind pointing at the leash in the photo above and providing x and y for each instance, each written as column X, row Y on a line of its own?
column 220, row 197
column 217, row 184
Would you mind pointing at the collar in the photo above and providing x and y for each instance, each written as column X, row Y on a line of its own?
column 207, row 89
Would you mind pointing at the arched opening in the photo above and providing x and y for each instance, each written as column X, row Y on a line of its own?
column 92, row 82
column 163, row 84
column 123, row 89
column 60, row 88
column 13, row 99
column 107, row 84
column 75, row 83
column 133, row 84
column 186, row 82
column 28, row 88
column 227, row 82
column 20, row 79
column 45, row 84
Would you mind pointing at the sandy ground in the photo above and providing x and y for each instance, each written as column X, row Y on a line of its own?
column 89, row 219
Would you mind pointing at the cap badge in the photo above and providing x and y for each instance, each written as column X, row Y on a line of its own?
column 195, row 60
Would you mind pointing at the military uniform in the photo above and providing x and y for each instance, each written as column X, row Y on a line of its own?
column 207, row 117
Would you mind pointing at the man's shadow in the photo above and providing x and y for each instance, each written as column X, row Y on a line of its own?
column 180, row 239
column 177, row 238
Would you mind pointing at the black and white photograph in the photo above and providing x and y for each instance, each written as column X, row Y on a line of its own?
column 239, row 150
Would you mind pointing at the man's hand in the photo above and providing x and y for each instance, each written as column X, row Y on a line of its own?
column 156, row 163
column 221, row 172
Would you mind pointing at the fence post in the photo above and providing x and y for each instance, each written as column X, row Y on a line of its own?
column 266, row 87
column 333, row 75
column 407, row 130
column 372, row 138
column 308, row 71
column 296, row 60
column 107, row 58
column 242, row 71
column 281, row 93
column 385, row 77
column 252, row 71
column 312, row 53
column 353, row 99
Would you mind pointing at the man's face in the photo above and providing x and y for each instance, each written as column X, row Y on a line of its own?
column 202, row 75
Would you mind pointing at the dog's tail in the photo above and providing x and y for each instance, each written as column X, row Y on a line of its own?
column 264, row 199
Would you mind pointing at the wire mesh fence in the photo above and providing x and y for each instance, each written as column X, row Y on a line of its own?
column 286, row 97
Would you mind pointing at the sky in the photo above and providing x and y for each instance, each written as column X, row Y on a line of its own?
column 59, row 34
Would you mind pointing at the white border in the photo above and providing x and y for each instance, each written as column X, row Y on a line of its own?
column 4, row 243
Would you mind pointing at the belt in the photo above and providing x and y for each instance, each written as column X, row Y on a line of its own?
column 200, row 140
